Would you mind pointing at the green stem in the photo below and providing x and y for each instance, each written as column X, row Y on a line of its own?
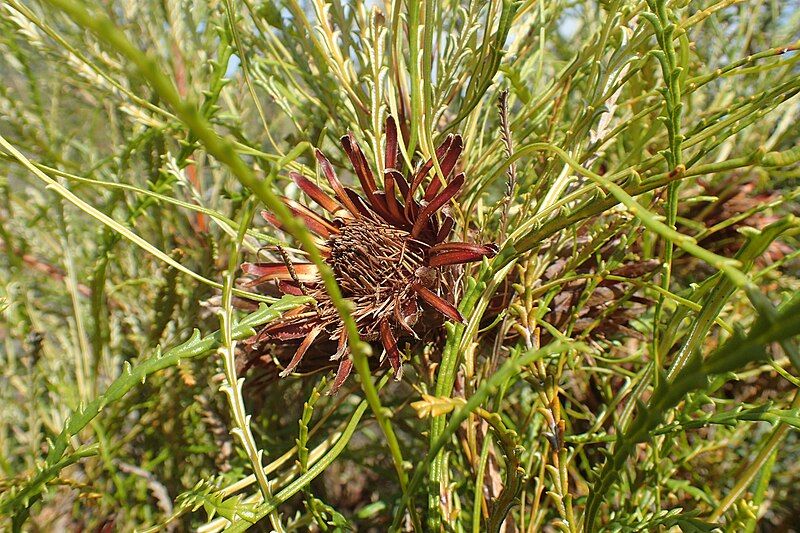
column 306, row 478
column 413, row 66
column 507, row 371
column 233, row 387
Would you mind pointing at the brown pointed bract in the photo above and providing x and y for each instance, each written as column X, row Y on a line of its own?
column 387, row 251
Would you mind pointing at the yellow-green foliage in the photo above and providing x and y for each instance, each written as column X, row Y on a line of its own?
column 628, row 360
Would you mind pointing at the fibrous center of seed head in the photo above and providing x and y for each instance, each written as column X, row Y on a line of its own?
column 369, row 258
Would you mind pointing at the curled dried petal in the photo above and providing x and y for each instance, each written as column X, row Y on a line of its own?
column 453, row 253
column 423, row 171
column 360, row 164
column 315, row 193
column 390, row 345
column 301, row 351
column 335, row 184
column 270, row 271
column 345, row 366
column 445, row 229
column 390, row 160
column 447, row 165
column 438, row 303
column 424, row 217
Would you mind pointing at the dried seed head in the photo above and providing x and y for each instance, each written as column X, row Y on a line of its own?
column 387, row 251
column 374, row 259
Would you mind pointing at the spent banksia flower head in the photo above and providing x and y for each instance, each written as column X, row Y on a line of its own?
column 388, row 251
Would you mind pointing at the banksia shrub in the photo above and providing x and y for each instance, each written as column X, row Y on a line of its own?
column 431, row 266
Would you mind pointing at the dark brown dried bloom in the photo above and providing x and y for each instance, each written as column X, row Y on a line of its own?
column 610, row 308
column 727, row 205
column 387, row 251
